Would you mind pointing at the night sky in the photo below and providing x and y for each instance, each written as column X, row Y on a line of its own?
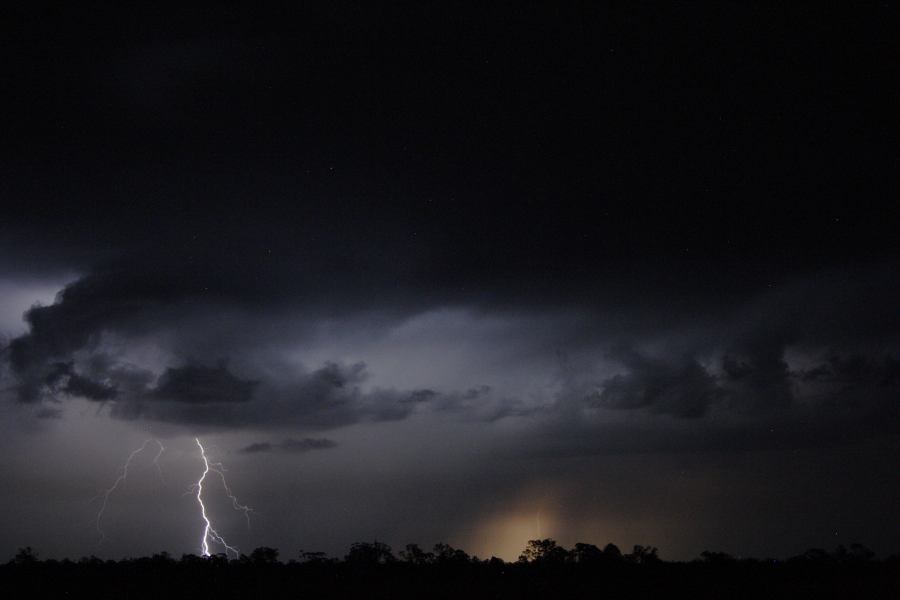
column 436, row 273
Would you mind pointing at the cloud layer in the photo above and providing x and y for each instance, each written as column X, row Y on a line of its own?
column 774, row 354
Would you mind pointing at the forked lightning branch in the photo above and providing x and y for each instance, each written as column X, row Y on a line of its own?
column 210, row 537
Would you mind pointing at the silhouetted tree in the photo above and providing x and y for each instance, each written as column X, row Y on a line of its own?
column 315, row 558
column 189, row 559
column 643, row 555
column 414, row 555
column 859, row 553
column 816, row 555
column 716, row 558
column 545, row 570
column 447, row 554
column 376, row 553
column 612, row 552
column 586, row 554
column 544, row 551
column 264, row 555
column 220, row 559
column 162, row 558
column 25, row 556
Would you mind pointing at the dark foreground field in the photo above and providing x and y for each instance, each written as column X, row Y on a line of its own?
column 371, row 571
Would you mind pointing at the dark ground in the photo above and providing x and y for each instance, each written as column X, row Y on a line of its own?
column 367, row 572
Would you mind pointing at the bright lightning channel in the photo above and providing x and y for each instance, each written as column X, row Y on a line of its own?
column 209, row 532
column 219, row 469
column 123, row 475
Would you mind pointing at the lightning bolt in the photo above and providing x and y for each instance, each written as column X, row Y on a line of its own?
column 209, row 532
column 219, row 469
column 159, row 472
column 123, row 475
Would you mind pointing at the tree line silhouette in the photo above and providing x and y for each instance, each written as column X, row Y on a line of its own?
column 543, row 570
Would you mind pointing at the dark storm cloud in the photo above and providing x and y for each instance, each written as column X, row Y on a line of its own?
column 61, row 378
column 482, row 404
column 683, row 389
column 290, row 445
column 834, row 400
column 85, row 309
column 78, row 385
column 202, row 385
column 756, row 383
column 854, row 382
column 855, row 370
column 403, row 204
column 328, row 397
column 48, row 412
column 332, row 396
column 142, row 298
column 688, row 389
column 394, row 163
column 257, row 447
column 306, row 444
column 734, row 359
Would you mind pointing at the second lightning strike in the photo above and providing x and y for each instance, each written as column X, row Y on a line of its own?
column 123, row 475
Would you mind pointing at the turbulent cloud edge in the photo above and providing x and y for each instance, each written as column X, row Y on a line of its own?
column 290, row 446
